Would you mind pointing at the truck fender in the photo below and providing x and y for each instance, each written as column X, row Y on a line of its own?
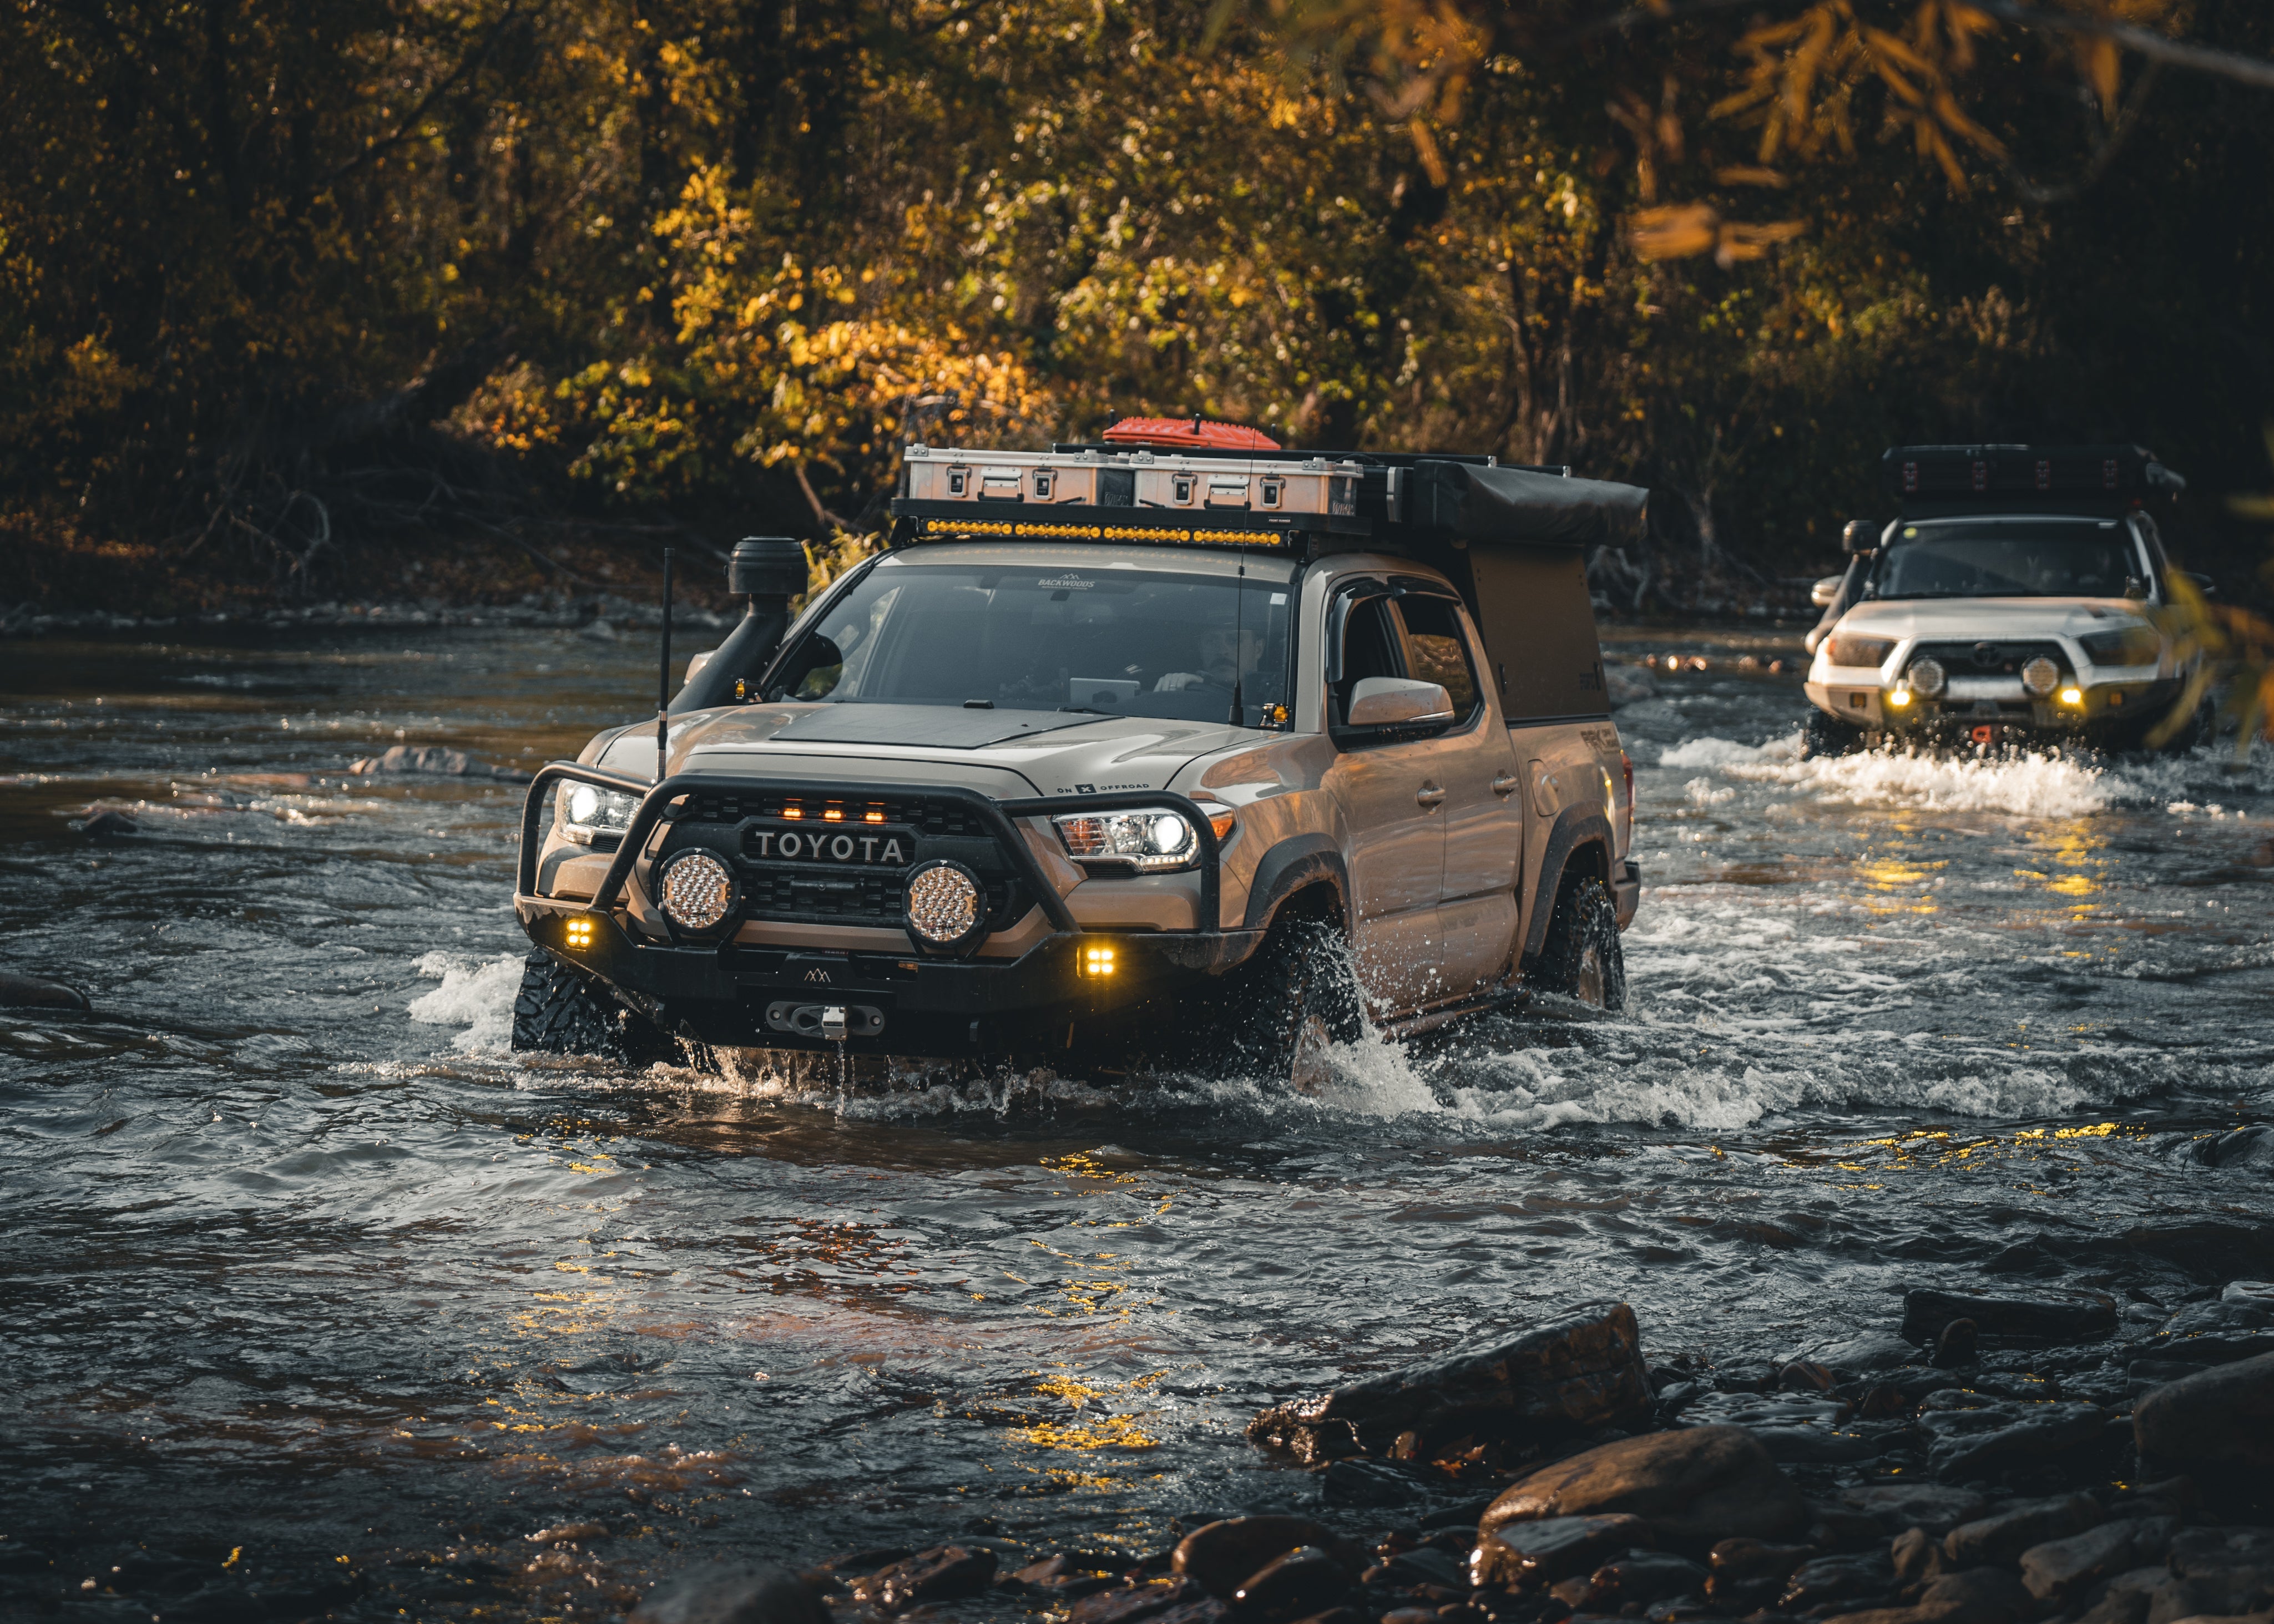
column 1569, row 837
column 1295, row 863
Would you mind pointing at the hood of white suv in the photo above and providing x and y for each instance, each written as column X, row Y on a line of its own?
column 1990, row 618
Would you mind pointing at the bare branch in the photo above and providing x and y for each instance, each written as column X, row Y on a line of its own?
column 410, row 123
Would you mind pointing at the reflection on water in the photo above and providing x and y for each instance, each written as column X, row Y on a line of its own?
column 320, row 1300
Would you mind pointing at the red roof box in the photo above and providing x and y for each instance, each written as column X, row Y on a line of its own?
column 1186, row 434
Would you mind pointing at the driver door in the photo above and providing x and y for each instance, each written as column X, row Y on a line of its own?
column 1396, row 840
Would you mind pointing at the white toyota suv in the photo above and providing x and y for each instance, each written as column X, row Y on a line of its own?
column 2023, row 595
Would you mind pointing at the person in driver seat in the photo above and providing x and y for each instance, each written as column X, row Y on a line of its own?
column 1226, row 657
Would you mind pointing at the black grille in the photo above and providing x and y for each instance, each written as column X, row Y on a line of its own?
column 751, row 828
column 1989, row 659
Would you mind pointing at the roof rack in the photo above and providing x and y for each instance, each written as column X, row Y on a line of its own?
column 1301, row 501
column 1954, row 481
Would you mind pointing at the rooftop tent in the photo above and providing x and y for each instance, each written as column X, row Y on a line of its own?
column 1476, row 503
column 1521, row 540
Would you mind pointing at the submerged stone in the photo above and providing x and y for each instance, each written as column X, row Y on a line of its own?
column 1695, row 1487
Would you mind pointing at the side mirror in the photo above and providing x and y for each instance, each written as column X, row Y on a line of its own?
column 1393, row 702
column 1825, row 590
column 1861, row 536
column 2204, row 584
column 2135, row 588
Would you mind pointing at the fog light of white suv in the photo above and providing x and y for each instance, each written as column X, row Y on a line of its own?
column 586, row 810
column 945, row 907
column 2072, row 695
column 696, row 890
column 1900, row 698
column 1928, row 678
column 2040, row 677
column 1146, row 840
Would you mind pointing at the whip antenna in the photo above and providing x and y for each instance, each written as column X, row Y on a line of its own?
column 663, row 676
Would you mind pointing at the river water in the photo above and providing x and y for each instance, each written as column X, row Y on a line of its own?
column 318, row 1301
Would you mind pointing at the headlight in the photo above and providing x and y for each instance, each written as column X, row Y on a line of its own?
column 2040, row 676
column 696, row 890
column 1928, row 678
column 945, row 907
column 1147, row 840
column 1861, row 651
column 585, row 810
column 2135, row 645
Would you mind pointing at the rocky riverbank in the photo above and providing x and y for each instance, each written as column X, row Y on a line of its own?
column 1996, row 1460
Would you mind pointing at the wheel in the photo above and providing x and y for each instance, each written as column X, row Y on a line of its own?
column 1581, row 957
column 1825, row 735
column 559, row 1012
column 1290, row 1003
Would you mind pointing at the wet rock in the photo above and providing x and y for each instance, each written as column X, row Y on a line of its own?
column 1208, row 1610
column 1960, row 1343
column 1917, row 1555
column 433, row 760
column 1062, row 1577
column 2226, row 1569
column 1426, row 1565
column 1581, row 1371
column 1358, row 1481
column 2248, row 1291
column 1519, row 1555
column 29, row 992
column 2222, row 1419
column 2047, row 1317
column 599, row 631
column 1791, row 1427
column 1876, row 1350
column 1140, row 1601
column 1642, row 1577
column 1747, row 1561
column 943, row 1573
column 1306, row 1580
column 1695, row 1487
column 2061, row 1568
column 2217, row 1332
column 1219, row 1556
column 107, row 825
column 1987, row 1439
column 2002, row 1538
column 2243, row 1148
column 2127, row 1598
column 1979, row 1595
column 733, row 1593
column 1624, row 685
column 1930, row 1506
column 1865, row 1578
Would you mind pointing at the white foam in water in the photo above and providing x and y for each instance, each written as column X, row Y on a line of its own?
column 2031, row 785
column 477, row 994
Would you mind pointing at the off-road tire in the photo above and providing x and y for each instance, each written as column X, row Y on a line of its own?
column 1281, row 1009
column 561, row 1012
column 1825, row 735
column 1581, row 957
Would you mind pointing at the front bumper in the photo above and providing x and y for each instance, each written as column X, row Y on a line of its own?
column 897, row 1004
column 2107, row 708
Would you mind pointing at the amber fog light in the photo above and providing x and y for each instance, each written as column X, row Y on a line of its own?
column 696, row 891
column 578, row 931
column 2040, row 676
column 946, row 906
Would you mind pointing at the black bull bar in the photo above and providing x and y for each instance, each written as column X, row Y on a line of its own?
column 708, row 988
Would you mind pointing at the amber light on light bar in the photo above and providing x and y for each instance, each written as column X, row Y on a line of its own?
column 1094, row 961
column 576, row 933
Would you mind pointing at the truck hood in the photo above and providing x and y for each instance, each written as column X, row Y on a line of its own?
column 1992, row 619
column 1006, row 753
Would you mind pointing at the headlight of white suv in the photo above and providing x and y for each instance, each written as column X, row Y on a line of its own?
column 1143, row 840
column 585, row 810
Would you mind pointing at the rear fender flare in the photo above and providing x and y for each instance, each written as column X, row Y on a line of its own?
column 1579, row 840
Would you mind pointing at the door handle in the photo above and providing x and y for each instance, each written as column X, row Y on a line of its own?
column 1506, row 785
column 1429, row 795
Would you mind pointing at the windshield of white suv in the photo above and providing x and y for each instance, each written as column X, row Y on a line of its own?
column 1114, row 639
column 2026, row 557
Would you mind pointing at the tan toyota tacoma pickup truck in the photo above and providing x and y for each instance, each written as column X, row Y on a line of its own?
column 1135, row 753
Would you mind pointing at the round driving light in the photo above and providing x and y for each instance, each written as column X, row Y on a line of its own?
column 2040, row 676
column 696, row 891
column 945, row 904
column 1928, row 677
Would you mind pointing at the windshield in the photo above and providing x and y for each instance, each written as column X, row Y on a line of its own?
column 1114, row 639
column 2049, row 558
